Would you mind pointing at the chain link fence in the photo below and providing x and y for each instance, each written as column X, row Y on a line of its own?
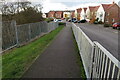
column 15, row 35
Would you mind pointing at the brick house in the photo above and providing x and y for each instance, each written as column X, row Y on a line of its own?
column 78, row 13
column 83, row 13
column 51, row 14
column 61, row 14
column 90, row 12
column 94, row 15
column 68, row 13
column 73, row 14
column 112, row 14
column 95, row 11
column 58, row 14
column 102, row 11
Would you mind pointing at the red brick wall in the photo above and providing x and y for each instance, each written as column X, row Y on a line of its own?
column 51, row 14
column 73, row 14
column 56, row 14
column 112, row 13
column 79, row 13
column 59, row 14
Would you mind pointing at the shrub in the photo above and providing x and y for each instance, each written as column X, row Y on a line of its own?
column 62, row 23
column 100, row 22
column 49, row 19
column 67, row 19
column 22, row 12
column 95, row 22
column 107, row 25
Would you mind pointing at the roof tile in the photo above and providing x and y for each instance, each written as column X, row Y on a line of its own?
column 106, row 6
column 79, row 10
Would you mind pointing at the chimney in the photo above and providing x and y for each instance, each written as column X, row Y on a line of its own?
column 113, row 2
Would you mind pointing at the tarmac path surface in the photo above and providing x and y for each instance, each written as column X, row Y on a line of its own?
column 59, row 60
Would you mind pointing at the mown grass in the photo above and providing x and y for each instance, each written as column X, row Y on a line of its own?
column 79, row 60
column 17, row 61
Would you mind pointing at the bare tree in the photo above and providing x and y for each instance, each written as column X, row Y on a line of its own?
column 38, row 7
column 22, row 12
column 12, row 8
column 4, row 9
column 22, row 5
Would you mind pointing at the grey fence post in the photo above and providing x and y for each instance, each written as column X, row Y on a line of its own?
column 0, row 36
column 40, row 28
column 0, row 47
column 48, row 26
column 1, row 31
column 16, row 31
column 29, row 32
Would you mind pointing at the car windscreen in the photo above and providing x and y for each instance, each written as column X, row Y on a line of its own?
column 118, row 23
column 114, row 23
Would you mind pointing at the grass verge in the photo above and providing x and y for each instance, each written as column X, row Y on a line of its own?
column 15, row 62
column 79, row 60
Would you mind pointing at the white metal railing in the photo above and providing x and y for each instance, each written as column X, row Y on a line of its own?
column 97, row 61
column 105, row 64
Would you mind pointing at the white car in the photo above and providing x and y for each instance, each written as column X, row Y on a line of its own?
column 55, row 20
column 59, row 20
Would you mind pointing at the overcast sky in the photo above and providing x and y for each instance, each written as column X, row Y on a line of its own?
column 67, row 4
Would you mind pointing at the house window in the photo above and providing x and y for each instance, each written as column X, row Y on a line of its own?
column 92, row 13
column 101, row 15
column 113, row 20
column 66, row 15
column 60, row 15
column 95, row 13
column 107, row 20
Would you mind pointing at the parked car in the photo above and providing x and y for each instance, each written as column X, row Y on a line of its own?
column 75, row 21
column 95, row 22
column 69, row 20
column 82, row 21
column 116, row 25
column 59, row 20
column 55, row 20
column 78, row 21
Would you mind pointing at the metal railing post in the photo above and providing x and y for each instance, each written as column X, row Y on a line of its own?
column 92, row 62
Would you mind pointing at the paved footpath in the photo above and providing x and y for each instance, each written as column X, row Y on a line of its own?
column 59, row 60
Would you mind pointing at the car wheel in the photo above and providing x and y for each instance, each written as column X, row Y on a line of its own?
column 113, row 27
column 118, row 28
